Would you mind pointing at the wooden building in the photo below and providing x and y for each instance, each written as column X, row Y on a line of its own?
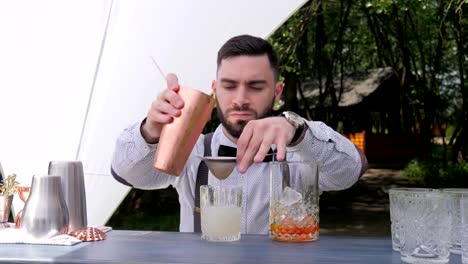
column 369, row 114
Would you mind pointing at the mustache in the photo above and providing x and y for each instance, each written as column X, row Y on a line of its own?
column 240, row 109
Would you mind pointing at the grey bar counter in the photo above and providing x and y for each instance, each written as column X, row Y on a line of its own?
column 174, row 247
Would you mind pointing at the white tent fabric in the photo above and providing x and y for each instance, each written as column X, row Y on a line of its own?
column 48, row 55
column 71, row 82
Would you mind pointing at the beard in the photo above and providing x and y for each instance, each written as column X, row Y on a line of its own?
column 235, row 128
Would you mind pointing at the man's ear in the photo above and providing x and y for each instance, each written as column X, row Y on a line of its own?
column 213, row 86
column 278, row 90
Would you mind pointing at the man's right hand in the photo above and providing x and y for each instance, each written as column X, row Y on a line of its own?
column 163, row 110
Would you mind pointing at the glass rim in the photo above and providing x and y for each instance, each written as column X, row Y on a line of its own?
column 455, row 190
column 425, row 195
column 295, row 162
column 409, row 190
column 215, row 186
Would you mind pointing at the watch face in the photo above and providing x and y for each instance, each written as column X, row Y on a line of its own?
column 294, row 118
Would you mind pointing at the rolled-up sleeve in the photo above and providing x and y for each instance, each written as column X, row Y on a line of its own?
column 339, row 161
column 132, row 162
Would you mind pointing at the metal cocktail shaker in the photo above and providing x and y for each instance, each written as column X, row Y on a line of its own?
column 179, row 137
column 73, row 188
column 45, row 214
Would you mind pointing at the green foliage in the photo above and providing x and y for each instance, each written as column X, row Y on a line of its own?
column 433, row 174
column 449, row 132
column 385, row 6
column 148, row 210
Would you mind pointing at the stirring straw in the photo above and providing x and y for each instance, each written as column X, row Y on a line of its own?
column 159, row 68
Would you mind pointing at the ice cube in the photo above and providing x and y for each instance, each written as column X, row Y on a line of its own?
column 290, row 197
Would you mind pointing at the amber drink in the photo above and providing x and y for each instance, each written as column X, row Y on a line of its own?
column 294, row 201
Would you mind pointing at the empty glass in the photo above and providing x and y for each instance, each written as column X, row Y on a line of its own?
column 455, row 195
column 221, row 208
column 464, row 229
column 425, row 227
column 294, row 201
column 397, row 209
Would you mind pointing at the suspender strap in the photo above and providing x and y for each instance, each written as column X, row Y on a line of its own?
column 202, row 179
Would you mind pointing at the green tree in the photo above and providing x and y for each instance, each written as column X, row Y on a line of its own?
column 422, row 40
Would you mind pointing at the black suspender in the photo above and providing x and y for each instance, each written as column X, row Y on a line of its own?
column 202, row 179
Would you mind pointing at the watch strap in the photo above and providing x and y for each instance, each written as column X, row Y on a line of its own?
column 298, row 134
column 297, row 122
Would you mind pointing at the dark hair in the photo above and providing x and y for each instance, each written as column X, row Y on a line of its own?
column 250, row 46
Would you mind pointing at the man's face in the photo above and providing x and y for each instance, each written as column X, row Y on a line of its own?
column 245, row 90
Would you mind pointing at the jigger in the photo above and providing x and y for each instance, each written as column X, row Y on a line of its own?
column 73, row 188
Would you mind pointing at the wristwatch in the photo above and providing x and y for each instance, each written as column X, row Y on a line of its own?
column 297, row 121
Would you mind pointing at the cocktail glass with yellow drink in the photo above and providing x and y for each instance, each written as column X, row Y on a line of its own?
column 220, row 212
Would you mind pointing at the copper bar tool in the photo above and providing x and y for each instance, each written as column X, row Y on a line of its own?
column 179, row 137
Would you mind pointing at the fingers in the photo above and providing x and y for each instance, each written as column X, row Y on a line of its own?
column 170, row 94
column 245, row 148
column 170, row 97
column 243, row 141
column 162, row 112
column 172, row 82
column 281, row 149
column 257, row 138
column 264, row 148
column 163, row 109
column 168, row 103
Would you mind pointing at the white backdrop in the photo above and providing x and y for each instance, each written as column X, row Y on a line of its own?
column 48, row 56
column 70, row 83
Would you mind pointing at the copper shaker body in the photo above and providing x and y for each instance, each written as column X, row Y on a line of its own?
column 5, row 207
column 178, row 138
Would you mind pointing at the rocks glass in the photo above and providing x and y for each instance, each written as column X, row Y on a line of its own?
column 294, row 201
column 425, row 227
column 397, row 209
column 464, row 229
column 221, row 209
column 456, row 234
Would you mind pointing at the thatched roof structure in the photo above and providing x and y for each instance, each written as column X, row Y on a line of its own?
column 356, row 87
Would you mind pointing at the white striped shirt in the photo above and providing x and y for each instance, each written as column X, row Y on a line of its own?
column 340, row 168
